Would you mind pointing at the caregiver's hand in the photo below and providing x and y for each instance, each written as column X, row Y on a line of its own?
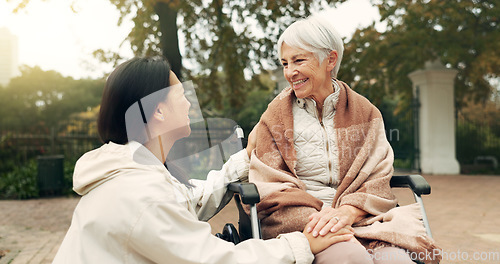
column 333, row 219
column 320, row 243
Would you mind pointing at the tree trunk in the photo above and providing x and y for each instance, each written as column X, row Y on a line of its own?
column 169, row 39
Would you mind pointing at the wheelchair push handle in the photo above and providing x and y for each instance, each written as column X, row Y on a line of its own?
column 249, row 226
column 248, row 192
column 417, row 183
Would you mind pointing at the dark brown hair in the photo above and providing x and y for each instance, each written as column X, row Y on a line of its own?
column 129, row 83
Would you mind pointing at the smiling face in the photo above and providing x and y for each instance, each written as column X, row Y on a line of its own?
column 307, row 76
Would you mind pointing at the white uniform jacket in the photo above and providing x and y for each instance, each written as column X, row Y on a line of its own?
column 137, row 213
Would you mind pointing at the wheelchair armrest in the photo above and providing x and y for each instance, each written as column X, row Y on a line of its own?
column 417, row 183
column 247, row 191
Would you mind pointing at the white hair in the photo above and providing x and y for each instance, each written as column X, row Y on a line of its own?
column 315, row 34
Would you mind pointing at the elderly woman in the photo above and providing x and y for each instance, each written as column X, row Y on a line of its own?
column 322, row 156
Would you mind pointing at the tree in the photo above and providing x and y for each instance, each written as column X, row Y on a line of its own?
column 461, row 34
column 211, row 26
column 227, row 41
column 464, row 35
column 40, row 99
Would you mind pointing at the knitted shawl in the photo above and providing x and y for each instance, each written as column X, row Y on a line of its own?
column 365, row 169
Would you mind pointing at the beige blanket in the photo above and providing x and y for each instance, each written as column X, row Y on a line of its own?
column 365, row 170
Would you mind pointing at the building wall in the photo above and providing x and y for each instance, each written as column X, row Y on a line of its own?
column 8, row 56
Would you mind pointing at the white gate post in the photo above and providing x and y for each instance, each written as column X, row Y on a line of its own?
column 435, row 85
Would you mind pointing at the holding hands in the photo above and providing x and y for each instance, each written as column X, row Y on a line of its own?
column 331, row 225
column 331, row 220
column 320, row 243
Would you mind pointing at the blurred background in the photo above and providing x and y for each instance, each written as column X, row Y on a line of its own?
column 55, row 56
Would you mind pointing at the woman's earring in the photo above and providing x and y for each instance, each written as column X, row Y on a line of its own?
column 159, row 112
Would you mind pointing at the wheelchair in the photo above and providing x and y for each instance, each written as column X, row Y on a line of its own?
column 224, row 138
column 249, row 225
column 247, row 193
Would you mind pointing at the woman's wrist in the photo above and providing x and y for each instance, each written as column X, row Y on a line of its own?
column 355, row 213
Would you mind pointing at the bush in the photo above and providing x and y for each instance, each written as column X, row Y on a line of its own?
column 69, row 167
column 476, row 140
column 403, row 163
column 20, row 183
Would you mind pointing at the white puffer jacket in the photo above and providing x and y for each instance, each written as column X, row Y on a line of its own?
column 316, row 146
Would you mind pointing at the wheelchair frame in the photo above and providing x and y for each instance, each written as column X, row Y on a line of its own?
column 249, row 226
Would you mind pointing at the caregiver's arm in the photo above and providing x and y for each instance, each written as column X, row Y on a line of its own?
column 167, row 233
column 206, row 195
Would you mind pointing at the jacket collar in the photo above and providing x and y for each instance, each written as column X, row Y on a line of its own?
column 329, row 104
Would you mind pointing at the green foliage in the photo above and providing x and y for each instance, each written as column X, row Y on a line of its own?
column 38, row 100
column 258, row 94
column 478, row 134
column 253, row 108
column 475, row 140
column 463, row 34
column 20, row 183
column 399, row 128
column 226, row 41
column 8, row 155
column 69, row 167
column 403, row 164
column 34, row 103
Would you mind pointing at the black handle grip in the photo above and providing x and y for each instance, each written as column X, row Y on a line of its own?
column 248, row 192
column 417, row 183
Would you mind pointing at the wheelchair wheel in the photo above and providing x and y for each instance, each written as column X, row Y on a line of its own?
column 229, row 233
